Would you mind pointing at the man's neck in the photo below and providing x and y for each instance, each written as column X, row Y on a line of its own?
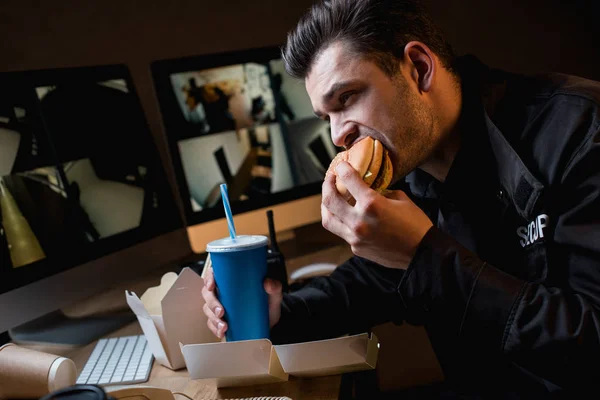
column 439, row 163
column 449, row 102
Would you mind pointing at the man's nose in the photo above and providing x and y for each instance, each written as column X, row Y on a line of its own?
column 340, row 132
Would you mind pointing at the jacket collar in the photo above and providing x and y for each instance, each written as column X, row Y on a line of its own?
column 482, row 88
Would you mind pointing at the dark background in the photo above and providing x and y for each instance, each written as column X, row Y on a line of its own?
column 540, row 35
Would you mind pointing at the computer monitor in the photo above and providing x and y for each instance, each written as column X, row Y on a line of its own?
column 238, row 118
column 85, row 202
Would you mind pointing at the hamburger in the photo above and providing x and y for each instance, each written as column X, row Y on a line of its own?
column 372, row 162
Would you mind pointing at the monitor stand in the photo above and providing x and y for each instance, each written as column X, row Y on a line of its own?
column 57, row 329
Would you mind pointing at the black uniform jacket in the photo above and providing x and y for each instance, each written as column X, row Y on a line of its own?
column 507, row 282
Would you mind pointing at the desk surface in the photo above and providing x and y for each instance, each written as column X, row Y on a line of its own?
column 179, row 381
column 406, row 343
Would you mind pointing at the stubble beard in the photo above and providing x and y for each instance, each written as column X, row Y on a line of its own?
column 415, row 142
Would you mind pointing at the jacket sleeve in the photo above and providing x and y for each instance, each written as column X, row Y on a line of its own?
column 358, row 295
column 552, row 332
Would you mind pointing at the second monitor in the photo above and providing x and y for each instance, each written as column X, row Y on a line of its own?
column 238, row 118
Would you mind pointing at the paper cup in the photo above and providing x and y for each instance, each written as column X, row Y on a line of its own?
column 240, row 267
column 26, row 373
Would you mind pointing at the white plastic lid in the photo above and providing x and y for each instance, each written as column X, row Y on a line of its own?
column 241, row 242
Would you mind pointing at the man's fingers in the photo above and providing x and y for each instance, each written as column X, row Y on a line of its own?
column 221, row 329
column 332, row 200
column 212, row 303
column 217, row 329
column 335, row 225
column 336, row 213
column 216, row 325
column 212, row 327
column 273, row 287
column 211, row 315
column 212, row 307
column 209, row 279
column 352, row 180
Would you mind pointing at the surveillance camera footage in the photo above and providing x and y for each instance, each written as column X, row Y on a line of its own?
column 250, row 126
column 78, row 175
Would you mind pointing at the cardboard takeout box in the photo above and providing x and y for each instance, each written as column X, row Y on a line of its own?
column 171, row 313
column 258, row 361
column 174, row 324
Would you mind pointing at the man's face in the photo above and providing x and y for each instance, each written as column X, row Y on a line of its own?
column 361, row 100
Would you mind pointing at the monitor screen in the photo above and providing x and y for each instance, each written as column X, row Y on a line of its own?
column 80, row 175
column 238, row 118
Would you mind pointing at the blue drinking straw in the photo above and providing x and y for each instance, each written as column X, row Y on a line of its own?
column 227, row 208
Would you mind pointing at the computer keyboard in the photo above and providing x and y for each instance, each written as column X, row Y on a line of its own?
column 118, row 361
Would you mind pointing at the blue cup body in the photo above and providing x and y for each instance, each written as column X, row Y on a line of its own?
column 239, row 275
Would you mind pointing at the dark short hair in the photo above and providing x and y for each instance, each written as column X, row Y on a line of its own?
column 376, row 29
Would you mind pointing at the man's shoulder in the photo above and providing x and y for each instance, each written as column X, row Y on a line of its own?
column 532, row 91
column 537, row 101
column 554, row 85
column 547, row 118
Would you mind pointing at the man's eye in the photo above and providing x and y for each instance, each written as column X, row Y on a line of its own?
column 345, row 97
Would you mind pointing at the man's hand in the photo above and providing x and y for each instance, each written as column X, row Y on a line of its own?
column 214, row 310
column 386, row 230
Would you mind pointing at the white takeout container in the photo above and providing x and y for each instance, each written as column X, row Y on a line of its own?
column 258, row 361
column 171, row 313
column 175, row 326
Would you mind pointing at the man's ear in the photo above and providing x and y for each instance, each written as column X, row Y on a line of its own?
column 423, row 67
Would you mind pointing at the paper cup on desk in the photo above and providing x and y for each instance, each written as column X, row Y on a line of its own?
column 240, row 267
column 26, row 373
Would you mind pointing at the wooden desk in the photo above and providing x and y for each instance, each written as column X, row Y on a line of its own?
column 408, row 344
column 312, row 245
column 179, row 381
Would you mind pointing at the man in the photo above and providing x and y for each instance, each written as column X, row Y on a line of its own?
column 491, row 241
